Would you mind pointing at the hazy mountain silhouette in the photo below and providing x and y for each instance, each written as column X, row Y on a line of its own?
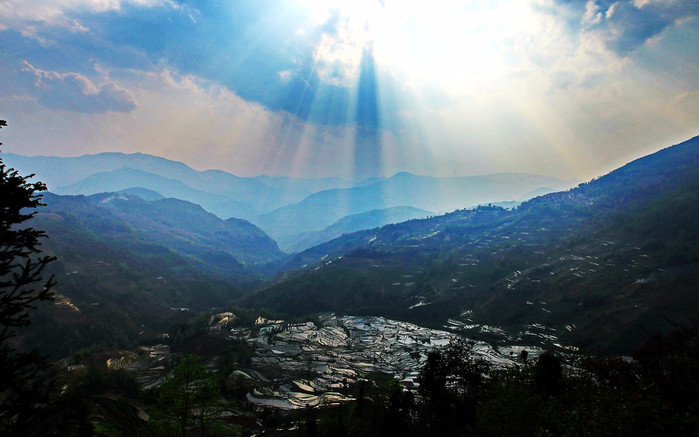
column 222, row 193
column 322, row 209
column 284, row 207
column 356, row 222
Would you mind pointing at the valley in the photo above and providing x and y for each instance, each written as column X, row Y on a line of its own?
column 588, row 263
column 144, row 281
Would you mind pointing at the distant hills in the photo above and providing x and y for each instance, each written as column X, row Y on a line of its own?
column 219, row 192
column 288, row 209
column 225, row 249
column 357, row 222
column 606, row 264
column 440, row 195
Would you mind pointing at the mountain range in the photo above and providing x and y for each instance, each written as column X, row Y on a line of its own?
column 285, row 208
column 440, row 195
column 605, row 264
column 219, row 192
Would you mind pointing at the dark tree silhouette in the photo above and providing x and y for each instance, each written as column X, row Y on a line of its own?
column 451, row 385
column 22, row 286
column 189, row 402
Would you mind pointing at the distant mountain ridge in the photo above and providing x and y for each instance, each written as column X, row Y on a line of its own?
column 440, row 195
column 356, row 222
column 284, row 207
column 222, row 193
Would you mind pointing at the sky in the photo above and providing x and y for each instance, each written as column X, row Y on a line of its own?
column 358, row 88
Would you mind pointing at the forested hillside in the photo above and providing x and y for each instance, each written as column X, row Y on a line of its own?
column 607, row 263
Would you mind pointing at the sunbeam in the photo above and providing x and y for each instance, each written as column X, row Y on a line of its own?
column 367, row 143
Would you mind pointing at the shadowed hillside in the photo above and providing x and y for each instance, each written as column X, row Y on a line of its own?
column 605, row 263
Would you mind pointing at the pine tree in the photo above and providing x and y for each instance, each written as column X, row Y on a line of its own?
column 23, row 391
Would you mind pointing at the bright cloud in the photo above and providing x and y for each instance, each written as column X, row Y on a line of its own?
column 75, row 92
column 28, row 15
column 593, row 14
column 464, row 47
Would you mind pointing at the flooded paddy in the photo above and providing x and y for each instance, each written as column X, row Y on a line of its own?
column 317, row 362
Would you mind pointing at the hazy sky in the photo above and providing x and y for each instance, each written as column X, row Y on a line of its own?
column 352, row 88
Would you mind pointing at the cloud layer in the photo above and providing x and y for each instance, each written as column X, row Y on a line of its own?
column 626, row 25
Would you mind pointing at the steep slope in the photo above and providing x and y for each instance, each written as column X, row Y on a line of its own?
column 185, row 226
column 215, row 246
column 603, row 264
column 128, row 268
column 320, row 210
